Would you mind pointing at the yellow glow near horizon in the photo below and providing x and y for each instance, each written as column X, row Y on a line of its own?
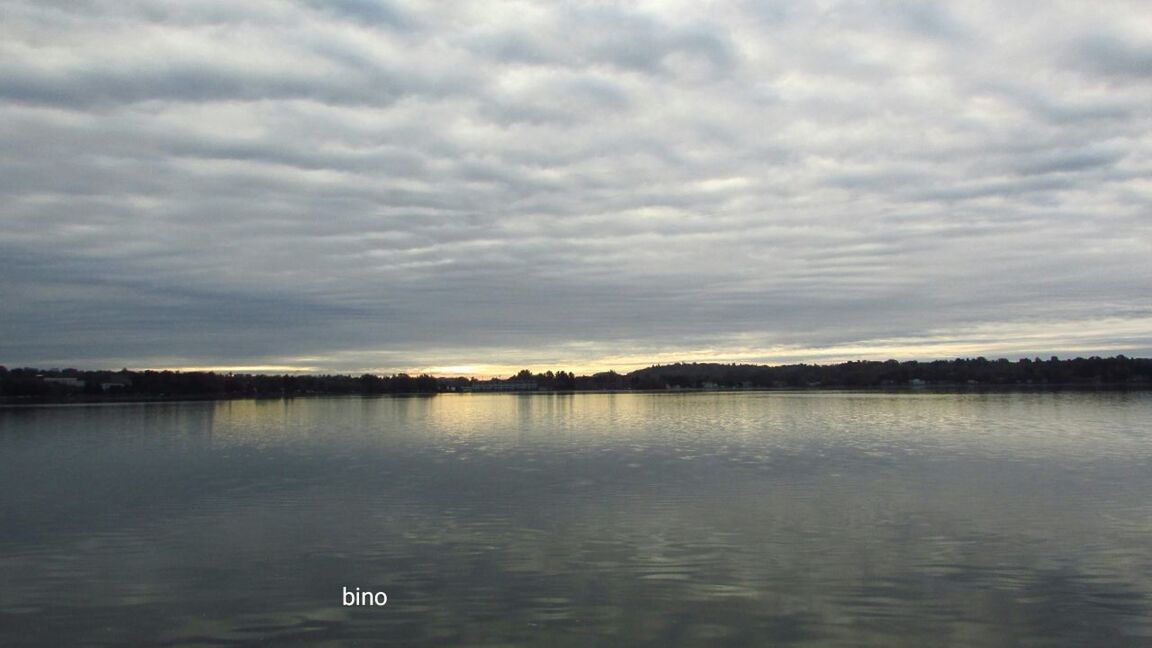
column 1104, row 336
column 236, row 369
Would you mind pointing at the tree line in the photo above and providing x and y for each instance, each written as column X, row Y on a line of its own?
column 1118, row 370
column 49, row 384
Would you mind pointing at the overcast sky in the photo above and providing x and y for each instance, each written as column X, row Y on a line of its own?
column 377, row 185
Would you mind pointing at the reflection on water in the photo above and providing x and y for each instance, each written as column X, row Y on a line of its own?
column 648, row 519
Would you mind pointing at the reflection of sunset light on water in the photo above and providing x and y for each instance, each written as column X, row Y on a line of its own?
column 476, row 424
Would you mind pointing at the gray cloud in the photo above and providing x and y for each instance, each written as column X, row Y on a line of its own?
column 377, row 13
column 386, row 185
column 1114, row 56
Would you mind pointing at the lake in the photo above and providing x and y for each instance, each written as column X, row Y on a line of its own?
column 649, row 519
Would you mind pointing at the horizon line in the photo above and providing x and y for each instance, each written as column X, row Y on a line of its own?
column 542, row 369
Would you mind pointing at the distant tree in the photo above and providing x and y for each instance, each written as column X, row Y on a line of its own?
column 565, row 381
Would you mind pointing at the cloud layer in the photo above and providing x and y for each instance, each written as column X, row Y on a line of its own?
column 369, row 185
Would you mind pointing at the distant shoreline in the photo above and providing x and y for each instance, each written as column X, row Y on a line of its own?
column 46, row 386
column 11, row 401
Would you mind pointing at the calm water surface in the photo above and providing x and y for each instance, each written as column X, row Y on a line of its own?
column 813, row 519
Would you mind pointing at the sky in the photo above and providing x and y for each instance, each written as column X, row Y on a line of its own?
column 477, row 187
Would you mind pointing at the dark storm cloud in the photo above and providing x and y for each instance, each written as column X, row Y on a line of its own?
column 360, row 184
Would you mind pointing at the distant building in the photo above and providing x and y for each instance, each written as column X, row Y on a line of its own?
column 66, row 382
column 116, row 382
column 503, row 386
